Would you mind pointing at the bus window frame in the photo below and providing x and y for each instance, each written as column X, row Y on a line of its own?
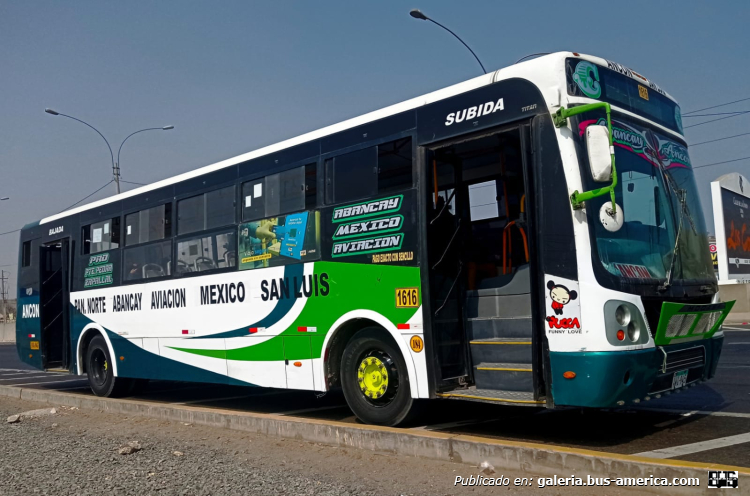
column 172, row 220
column 170, row 272
column 112, row 219
column 124, row 247
column 262, row 175
column 228, row 228
column 322, row 195
column 202, row 192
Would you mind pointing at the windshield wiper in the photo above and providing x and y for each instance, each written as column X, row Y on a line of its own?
column 680, row 195
column 668, row 282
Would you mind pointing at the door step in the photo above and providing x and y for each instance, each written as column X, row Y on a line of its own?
column 481, row 328
column 494, row 396
column 504, row 376
column 501, row 350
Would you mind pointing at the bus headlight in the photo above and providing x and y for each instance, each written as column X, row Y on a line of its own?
column 625, row 324
column 634, row 331
column 622, row 315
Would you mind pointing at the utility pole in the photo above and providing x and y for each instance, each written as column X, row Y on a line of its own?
column 4, row 295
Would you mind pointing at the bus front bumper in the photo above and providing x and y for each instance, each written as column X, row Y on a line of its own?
column 617, row 378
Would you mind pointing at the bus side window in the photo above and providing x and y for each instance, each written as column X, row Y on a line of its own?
column 311, row 186
column 147, row 225
column 26, row 255
column 380, row 169
column 395, row 165
column 253, row 200
column 352, row 176
column 285, row 192
column 100, row 236
column 150, row 259
column 206, row 211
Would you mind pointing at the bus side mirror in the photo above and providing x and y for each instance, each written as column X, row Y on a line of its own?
column 600, row 158
column 597, row 140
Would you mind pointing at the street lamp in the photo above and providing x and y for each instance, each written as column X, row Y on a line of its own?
column 5, row 198
column 418, row 14
column 115, row 166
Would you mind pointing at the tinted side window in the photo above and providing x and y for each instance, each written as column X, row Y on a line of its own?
column 148, row 261
column 206, row 211
column 276, row 194
column 286, row 192
column 26, row 256
column 148, row 225
column 253, row 201
column 311, row 186
column 220, row 207
column 190, row 215
column 395, row 166
column 207, row 252
column 352, row 176
column 100, row 236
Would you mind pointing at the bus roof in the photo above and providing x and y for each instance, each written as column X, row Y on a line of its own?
column 535, row 70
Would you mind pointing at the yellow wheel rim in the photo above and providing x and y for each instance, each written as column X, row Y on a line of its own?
column 373, row 377
column 105, row 365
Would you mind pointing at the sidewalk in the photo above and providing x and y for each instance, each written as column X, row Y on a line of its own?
column 8, row 332
column 737, row 318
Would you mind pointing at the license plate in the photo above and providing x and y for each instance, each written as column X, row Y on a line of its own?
column 679, row 379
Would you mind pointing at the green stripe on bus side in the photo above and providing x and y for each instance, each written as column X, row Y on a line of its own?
column 352, row 287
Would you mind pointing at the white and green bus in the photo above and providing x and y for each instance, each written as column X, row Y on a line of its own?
column 532, row 236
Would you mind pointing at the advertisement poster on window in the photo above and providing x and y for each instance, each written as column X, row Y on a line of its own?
column 279, row 240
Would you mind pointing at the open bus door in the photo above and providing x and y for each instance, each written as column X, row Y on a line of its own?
column 54, row 298
column 482, row 268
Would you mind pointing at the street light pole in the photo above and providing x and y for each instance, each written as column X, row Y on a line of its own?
column 417, row 14
column 115, row 165
column 112, row 156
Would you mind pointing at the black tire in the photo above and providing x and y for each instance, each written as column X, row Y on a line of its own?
column 391, row 405
column 102, row 379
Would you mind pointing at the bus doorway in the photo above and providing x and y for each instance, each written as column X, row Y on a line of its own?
column 479, row 264
column 53, row 305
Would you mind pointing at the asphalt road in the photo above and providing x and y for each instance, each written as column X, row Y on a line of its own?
column 715, row 414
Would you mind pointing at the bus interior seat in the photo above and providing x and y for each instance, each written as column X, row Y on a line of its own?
column 152, row 270
column 230, row 258
column 204, row 263
column 183, row 267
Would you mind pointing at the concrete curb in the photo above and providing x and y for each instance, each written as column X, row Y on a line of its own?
column 532, row 458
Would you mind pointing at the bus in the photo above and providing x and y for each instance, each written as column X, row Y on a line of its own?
column 532, row 236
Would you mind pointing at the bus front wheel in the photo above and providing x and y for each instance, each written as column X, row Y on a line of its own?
column 101, row 377
column 375, row 380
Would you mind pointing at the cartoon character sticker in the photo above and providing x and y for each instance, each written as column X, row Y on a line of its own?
column 560, row 296
column 563, row 315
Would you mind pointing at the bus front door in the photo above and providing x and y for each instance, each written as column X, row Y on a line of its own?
column 53, row 305
column 480, row 264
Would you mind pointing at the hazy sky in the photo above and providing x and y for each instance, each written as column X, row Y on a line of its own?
column 232, row 76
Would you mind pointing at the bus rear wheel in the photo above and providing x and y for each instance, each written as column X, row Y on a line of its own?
column 375, row 380
column 101, row 377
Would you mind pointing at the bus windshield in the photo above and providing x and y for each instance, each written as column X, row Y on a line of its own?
column 663, row 228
